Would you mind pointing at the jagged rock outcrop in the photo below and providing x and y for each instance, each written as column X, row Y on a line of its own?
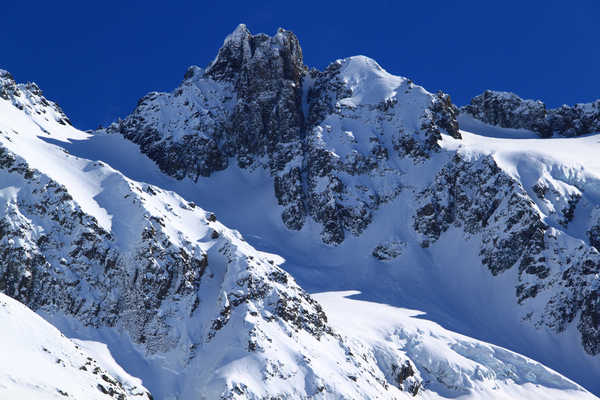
column 389, row 250
column 594, row 229
column 510, row 111
column 493, row 208
column 257, row 103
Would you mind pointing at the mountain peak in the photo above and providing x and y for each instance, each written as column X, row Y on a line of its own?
column 243, row 50
column 239, row 35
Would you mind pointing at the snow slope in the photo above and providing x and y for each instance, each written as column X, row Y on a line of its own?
column 40, row 363
column 451, row 365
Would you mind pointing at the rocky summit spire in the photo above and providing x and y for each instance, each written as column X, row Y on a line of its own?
column 315, row 132
column 275, row 56
column 266, row 73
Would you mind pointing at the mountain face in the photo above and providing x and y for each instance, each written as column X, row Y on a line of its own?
column 510, row 111
column 373, row 187
column 338, row 145
column 479, row 198
column 84, row 244
column 180, row 298
column 257, row 105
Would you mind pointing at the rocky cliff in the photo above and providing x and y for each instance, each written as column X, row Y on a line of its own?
column 510, row 111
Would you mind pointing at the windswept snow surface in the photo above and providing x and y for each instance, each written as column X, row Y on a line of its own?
column 451, row 365
column 37, row 362
column 357, row 70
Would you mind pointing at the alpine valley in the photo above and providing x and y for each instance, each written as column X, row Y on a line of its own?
column 271, row 231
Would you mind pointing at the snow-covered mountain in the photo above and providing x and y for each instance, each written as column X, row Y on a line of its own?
column 196, row 311
column 360, row 180
column 378, row 166
column 317, row 133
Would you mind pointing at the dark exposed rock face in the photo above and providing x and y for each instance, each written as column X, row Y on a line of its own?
column 258, row 104
column 485, row 202
column 594, row 230
column 266, row 74
column 510, row 111
column 388, row 250
column 404, row 372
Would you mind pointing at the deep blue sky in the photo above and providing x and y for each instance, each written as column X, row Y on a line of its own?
column 97, row 58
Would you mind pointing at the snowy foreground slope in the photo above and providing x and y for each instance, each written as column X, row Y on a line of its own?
column 38, row 362
column 183, row 302
column 450, row 364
